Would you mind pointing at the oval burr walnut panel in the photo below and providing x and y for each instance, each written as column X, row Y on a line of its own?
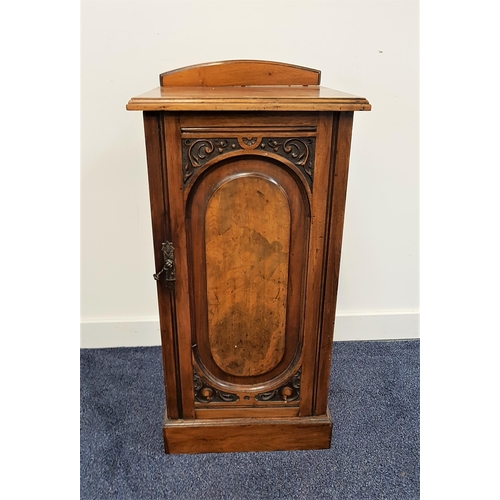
column 247, row 241
column 248, row 232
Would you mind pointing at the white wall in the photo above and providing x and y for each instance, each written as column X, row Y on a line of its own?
column 364, row 47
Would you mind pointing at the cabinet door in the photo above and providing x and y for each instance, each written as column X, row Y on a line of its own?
column 248, row 228
column 248, row 234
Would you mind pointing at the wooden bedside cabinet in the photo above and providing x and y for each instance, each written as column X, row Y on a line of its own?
column 247, row 165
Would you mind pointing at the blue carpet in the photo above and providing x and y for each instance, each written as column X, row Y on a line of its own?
column 373, row 399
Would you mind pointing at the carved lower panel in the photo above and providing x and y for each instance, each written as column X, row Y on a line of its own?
column 298, row 150
column 287, row 393
column 203, row 393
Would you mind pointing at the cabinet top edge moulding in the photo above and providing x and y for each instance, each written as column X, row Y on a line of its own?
column 245, row 85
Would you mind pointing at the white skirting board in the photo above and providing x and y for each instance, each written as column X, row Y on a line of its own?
column 360, row 326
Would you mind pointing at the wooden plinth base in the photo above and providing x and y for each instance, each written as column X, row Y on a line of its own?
column 247, row 434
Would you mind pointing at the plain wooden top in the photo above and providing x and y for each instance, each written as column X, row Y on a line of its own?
column 248, row 98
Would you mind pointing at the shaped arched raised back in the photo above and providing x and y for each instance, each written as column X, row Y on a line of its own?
column 240, row 73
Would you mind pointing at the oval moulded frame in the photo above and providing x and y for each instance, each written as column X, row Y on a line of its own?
column 199, row 196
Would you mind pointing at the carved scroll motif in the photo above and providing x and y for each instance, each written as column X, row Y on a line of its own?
column 287, row 392
column 203, row 393
column 299, row 151
column 197, row 152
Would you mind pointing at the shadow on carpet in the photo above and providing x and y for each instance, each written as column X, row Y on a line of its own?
column 374, row 402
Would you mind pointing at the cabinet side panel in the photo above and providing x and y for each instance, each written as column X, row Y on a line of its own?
column 155, row 154
column 172, row 138
column 341, row 146
column 314, row 287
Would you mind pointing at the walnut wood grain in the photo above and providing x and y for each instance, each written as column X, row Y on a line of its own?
column 257, row 171
column 341, row 147
column 155, row 151
column 248, row 121
column 247, row 434
column 177, row 218
column 240, row 72
column 247, row 228
column 248, row 166
column 250, row 412
column 268, row 98
column 314, row 290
